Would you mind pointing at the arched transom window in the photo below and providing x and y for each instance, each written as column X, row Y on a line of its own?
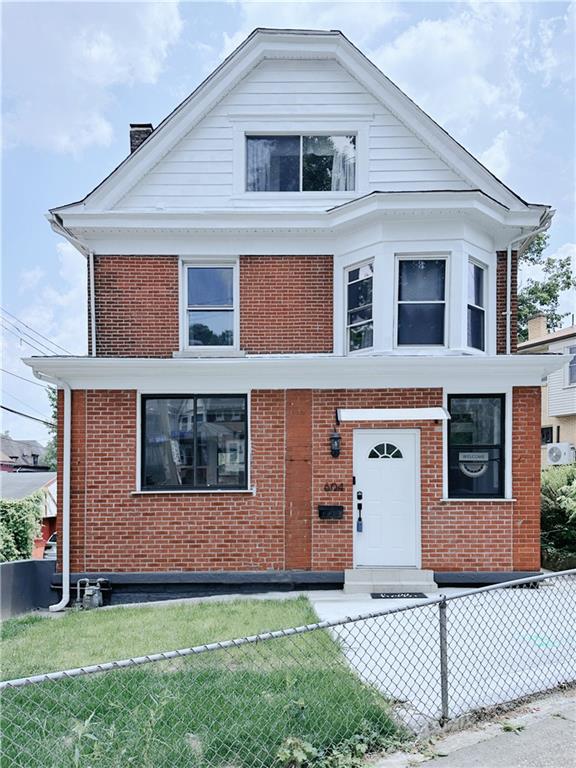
column 385, row 451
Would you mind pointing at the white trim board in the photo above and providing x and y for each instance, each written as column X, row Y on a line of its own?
column 393, row 414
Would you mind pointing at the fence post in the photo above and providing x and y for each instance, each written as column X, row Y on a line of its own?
column 443, row 660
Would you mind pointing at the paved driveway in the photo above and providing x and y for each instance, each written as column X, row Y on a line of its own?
column 502, row 645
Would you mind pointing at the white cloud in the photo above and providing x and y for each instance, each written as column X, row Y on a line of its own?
column 463, row 67
column 553, row 52
column 59, row 97
column 497, row 157
column 361, row 21
column 57, row 309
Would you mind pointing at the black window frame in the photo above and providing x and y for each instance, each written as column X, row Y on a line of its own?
column 501, row 493
column 546, row 435
column 197, row 488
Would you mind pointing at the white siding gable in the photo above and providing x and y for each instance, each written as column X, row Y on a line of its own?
column 198, row 173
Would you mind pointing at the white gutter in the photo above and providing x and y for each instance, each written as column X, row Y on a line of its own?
column 64, row 545
column 518, row 239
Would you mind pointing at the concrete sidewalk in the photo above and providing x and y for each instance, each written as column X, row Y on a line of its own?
column 541, row 734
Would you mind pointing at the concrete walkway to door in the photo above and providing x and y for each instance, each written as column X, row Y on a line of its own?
column 501, row 645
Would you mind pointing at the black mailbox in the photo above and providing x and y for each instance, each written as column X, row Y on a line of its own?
column 330, row 512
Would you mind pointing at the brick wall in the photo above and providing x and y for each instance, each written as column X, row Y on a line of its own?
column 278, row 528
column 501, row 270
column 136, row 305
column 286, row 304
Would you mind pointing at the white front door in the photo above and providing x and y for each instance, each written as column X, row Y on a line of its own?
column 387, row 474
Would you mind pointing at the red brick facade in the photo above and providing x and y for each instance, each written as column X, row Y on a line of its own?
column 501, row 271
column 277, row 526
column 286, row 305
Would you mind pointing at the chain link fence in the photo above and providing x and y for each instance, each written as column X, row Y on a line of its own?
column 308, row 694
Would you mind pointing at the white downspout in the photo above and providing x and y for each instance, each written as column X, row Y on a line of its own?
column 92, row 290
column 519, row 238
column 64, row 545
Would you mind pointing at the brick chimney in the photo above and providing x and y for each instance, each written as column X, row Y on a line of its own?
column 537, row 328
column 139, row 132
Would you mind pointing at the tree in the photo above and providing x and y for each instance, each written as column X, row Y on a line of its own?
column 543, row 296
column 50, row 457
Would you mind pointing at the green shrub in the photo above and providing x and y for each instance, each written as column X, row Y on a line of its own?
column 19, row 524
column 558, row 513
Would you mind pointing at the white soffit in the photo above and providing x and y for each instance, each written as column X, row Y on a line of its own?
column 393, row 414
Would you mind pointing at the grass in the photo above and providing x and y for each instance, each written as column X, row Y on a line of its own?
column 224, row 709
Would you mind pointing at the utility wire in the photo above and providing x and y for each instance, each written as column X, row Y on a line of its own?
column 31, row 407
column 29, row 335
column 19, row 336
column 35, row 331
column 36, row 383
column 27, row 416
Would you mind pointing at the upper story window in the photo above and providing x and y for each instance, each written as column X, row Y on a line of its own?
column 421, row 301
column 476, row 306
column 300, row 163
column 210, row 306
column 359, row 322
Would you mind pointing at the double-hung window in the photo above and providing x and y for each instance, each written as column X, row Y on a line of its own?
column 359, row 317
column 209, row 306
column 571, row 377
column 421, row 301
column 194, row 442
column 476, row 306
column 300, row 163
column 476, row 446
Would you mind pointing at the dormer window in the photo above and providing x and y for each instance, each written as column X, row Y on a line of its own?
column 300, row 163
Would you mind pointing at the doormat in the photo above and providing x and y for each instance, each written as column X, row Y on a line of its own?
column 395, row 595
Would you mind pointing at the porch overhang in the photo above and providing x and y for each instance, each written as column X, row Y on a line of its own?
column 392, row 414
column 243, row 374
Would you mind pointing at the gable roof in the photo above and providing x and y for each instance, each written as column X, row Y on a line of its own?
column 265, row 43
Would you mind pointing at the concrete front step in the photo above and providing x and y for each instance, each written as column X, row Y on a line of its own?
column 365, row 580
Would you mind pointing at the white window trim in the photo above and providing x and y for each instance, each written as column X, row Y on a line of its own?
column 479, row 389
column 567, row 384
column 347, row 269
column 281, row 126
column 250, row 489
column 212, row 261
column 427, row 256
column 485, row 289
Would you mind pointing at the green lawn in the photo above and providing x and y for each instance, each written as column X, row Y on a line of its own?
column 227, row 709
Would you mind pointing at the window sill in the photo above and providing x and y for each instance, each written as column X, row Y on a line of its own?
column 251, row 491
column 490, row 499
column 196, row 353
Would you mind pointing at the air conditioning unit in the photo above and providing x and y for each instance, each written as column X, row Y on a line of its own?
column 559, row 453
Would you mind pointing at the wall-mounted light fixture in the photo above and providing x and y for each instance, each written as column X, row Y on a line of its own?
column 335, row 440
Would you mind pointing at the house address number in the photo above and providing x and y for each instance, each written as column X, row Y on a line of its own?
column 333, row 487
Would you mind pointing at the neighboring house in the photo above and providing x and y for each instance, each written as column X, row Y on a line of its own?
column 302, row 324
column 19, row 485
column 558, row 393
column 21, row 455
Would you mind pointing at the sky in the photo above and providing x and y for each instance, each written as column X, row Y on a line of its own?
column 498, row 76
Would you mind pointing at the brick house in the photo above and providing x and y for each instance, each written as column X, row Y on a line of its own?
column 302, row 341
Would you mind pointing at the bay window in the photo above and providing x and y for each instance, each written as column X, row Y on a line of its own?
column 476, row 306
column 421, row 301
column 476, row 446
column 359, row 318
column 210, row 306
column 300, row 163
column 194, row 442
